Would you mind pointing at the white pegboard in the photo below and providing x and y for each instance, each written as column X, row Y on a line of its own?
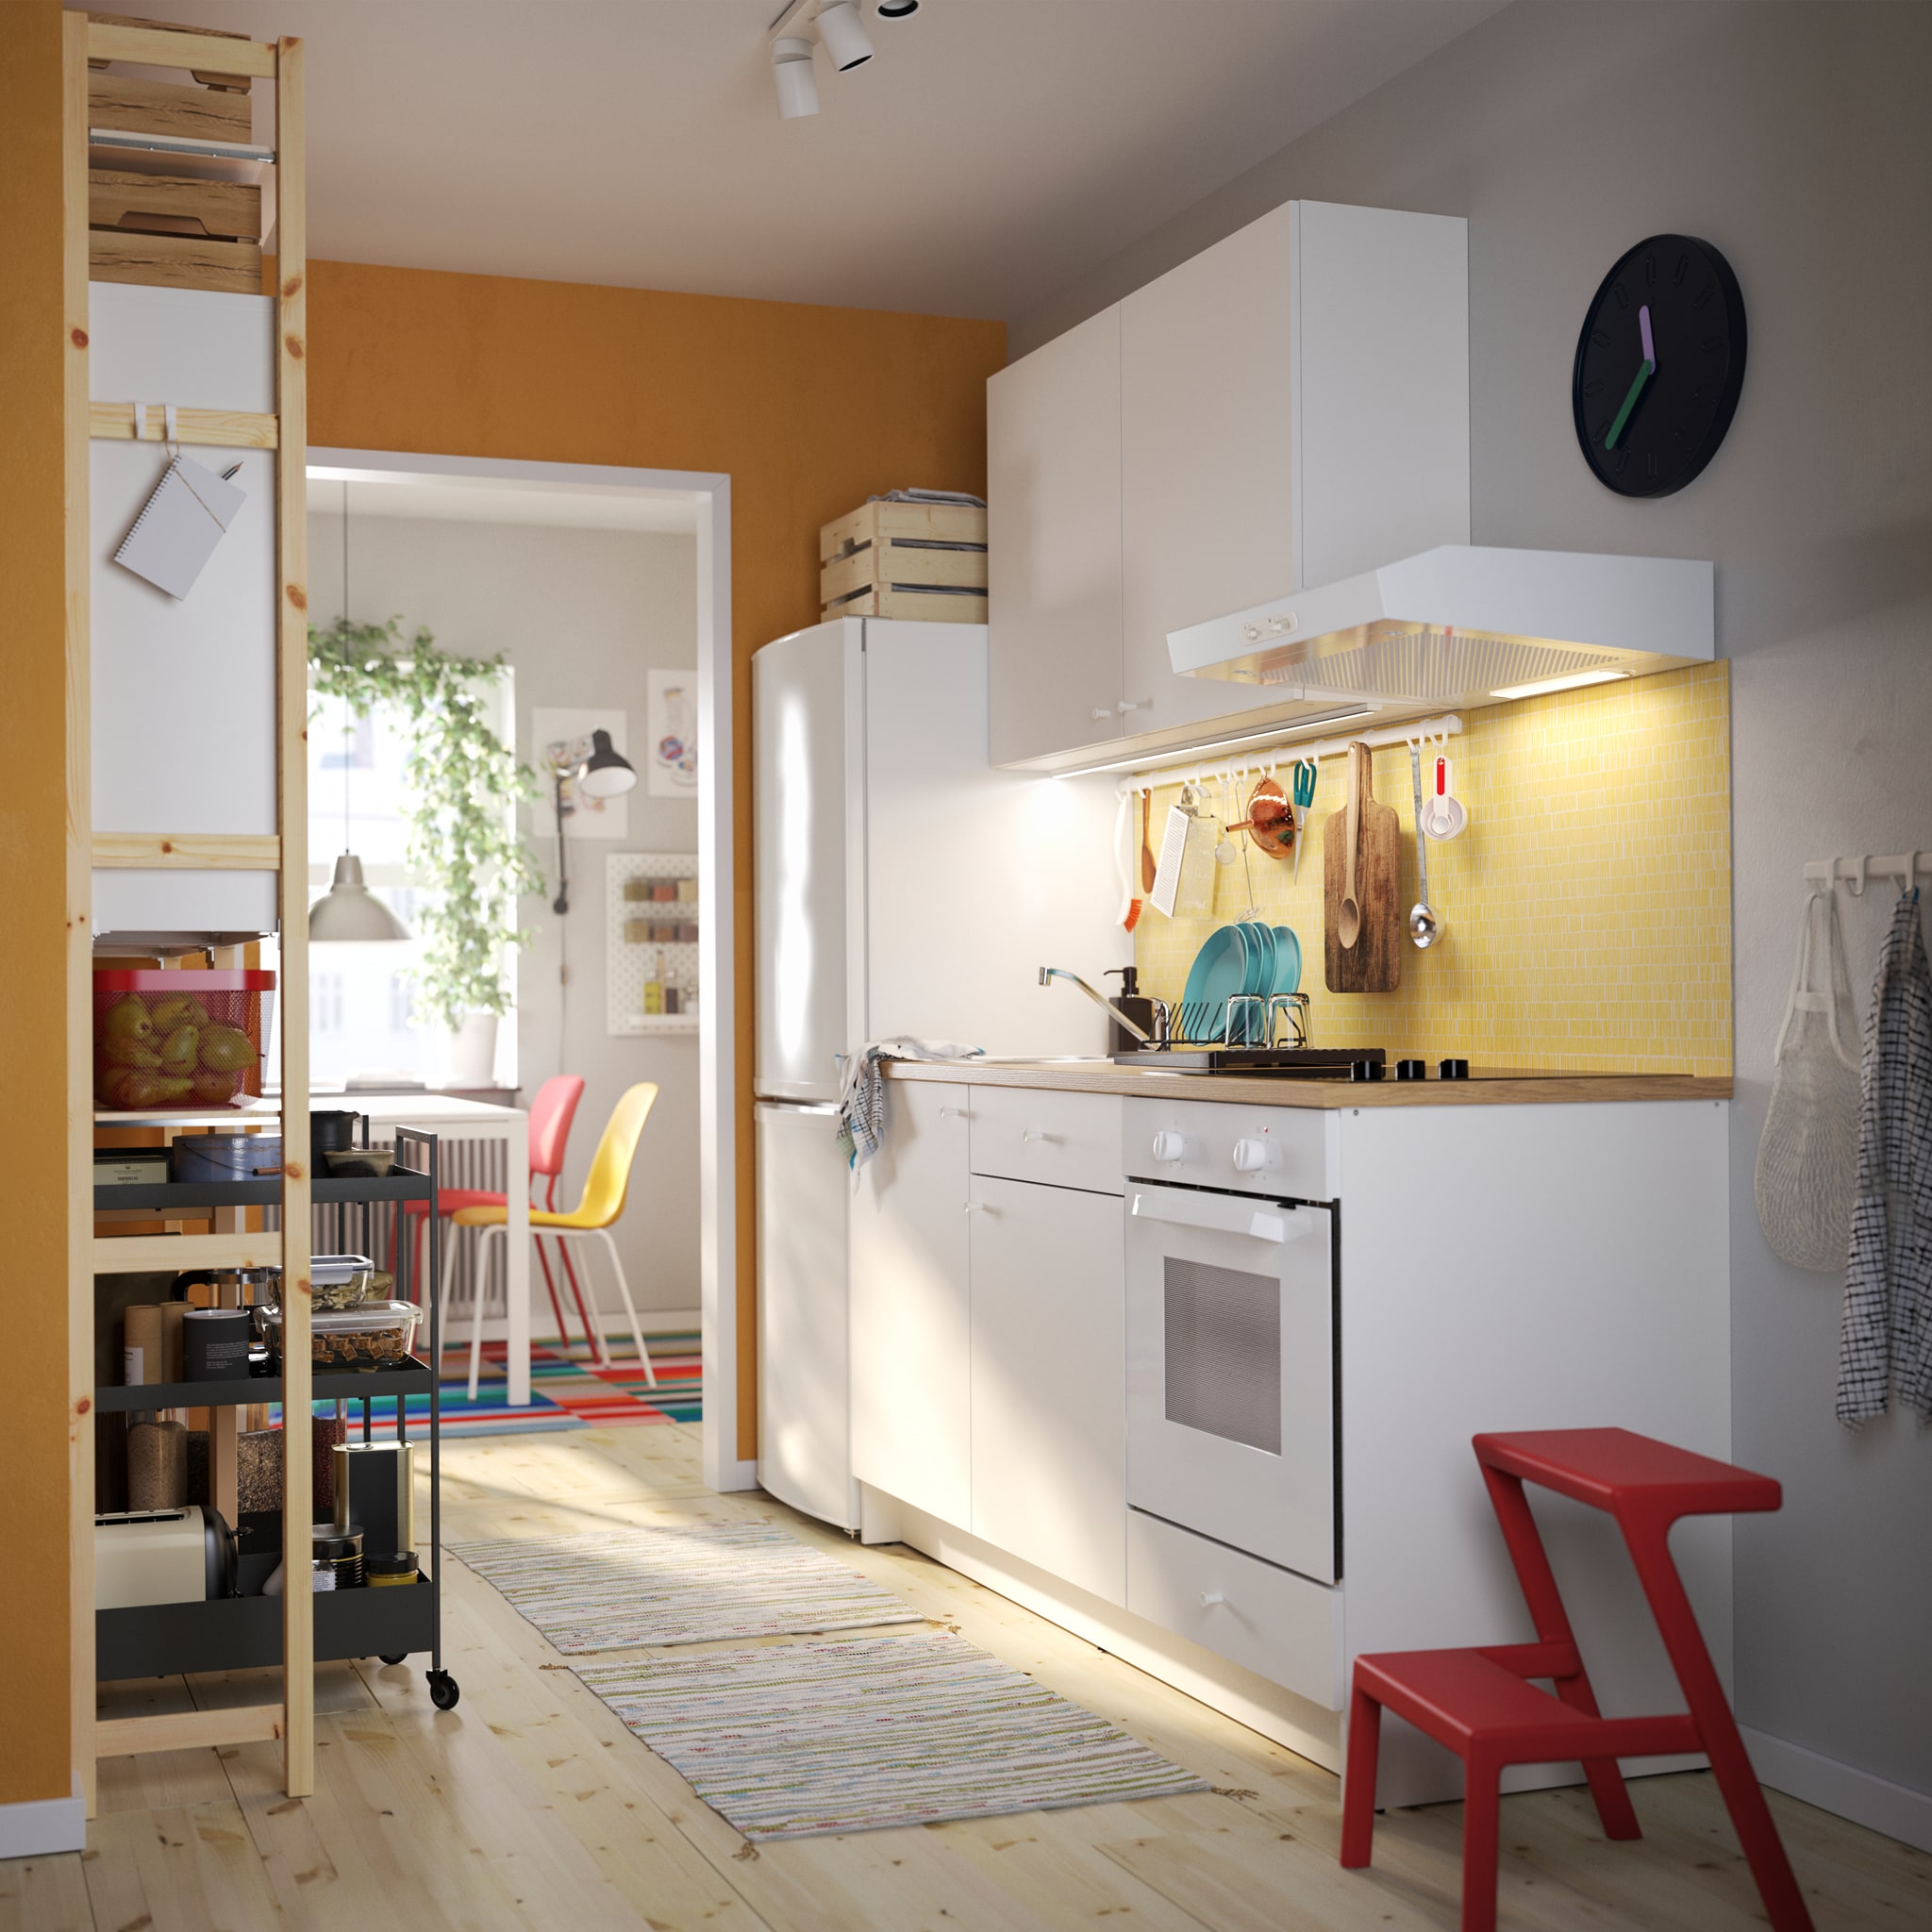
column 627, row 963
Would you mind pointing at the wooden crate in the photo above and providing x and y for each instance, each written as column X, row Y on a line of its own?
column 174, row 261
column 173, row 205
column 122, row 105
column 925, row 560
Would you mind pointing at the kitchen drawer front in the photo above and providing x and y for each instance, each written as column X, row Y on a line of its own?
column 1040, row 1134
column 1191, row 1143
column 1272, row 1622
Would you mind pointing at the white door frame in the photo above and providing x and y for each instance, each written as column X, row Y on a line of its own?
column 717, row 938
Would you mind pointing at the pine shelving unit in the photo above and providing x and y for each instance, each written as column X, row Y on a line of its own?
column 285, row 432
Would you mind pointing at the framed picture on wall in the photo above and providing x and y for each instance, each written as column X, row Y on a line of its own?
column 672, row 720
column 561, row 741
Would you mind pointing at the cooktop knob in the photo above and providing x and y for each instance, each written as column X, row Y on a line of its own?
column 1250, row 1156
column 1168, row 1146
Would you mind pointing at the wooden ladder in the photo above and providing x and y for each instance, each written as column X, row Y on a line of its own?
column 285, row 853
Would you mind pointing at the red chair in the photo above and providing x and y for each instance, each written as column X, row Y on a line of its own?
column 551, row 1115
column 1480, row 1705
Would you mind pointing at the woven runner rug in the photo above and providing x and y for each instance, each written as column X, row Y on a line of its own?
column 803, row 1740
column 613, row 1590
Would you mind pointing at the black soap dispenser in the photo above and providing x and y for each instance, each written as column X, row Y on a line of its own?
column 1135, row 1005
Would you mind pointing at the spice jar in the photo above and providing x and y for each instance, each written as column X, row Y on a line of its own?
column 383, row 1572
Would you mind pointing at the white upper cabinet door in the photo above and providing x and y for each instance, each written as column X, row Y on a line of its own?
column 1381, row 341
column 911, row 1349
column 1207, row 462
column 1049, row 1380
column 1054, row 545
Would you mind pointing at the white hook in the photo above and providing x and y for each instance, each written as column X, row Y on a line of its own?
column 1857, row 891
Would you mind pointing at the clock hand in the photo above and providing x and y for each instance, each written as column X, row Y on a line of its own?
column 1622, row 416
column 1644, row 330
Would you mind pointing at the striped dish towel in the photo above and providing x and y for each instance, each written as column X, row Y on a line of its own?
column 862, row 1090
column 1887, row 1335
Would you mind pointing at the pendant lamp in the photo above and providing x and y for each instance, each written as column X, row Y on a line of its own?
column 349, row 910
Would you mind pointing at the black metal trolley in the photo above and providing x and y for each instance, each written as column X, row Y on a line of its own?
column 246, row 1630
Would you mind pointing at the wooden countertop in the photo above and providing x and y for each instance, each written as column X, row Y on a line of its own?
column 1499, row 1090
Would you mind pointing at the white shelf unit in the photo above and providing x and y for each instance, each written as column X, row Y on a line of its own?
column 627, row 962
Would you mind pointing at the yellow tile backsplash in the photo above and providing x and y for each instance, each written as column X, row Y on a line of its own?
column 1587, row 908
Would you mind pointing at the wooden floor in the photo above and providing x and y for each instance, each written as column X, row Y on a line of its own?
column 531, row 1806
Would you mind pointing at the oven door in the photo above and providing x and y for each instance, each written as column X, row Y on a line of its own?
column 1231, row 1372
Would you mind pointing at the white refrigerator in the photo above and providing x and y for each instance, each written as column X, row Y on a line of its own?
column 903, row 886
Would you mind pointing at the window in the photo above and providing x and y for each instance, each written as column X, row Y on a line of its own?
column 362, row 1002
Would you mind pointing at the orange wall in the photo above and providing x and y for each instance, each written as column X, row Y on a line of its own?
column 808, row 409
column 34, row 1757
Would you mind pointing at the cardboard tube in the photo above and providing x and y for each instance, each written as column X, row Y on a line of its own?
column 141, row 1336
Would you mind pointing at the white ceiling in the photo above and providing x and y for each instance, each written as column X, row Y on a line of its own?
column 494, row 500
column 993, row 151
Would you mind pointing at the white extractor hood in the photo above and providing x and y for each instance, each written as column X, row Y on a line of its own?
column 1463, row 624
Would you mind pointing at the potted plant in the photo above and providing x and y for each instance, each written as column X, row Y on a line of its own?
column 463, row 783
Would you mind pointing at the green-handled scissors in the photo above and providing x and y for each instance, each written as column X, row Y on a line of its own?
column 1303, row 785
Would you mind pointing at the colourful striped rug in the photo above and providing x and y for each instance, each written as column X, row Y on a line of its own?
column 567, row 1392
column 612, row 1590
column 801, row 1739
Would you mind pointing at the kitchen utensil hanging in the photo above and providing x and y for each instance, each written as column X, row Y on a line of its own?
column 1184, row 877
column 1271, row 820
column 1306, row 773
column 1806, row 1176
column 1443, row 815
column 1425, row 925
column 1361, row 848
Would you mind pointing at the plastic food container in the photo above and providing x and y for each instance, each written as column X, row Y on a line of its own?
column 179, row 1042
column 375, row 1336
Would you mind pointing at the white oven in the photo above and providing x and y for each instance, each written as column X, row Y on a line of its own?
column 1231, row 1344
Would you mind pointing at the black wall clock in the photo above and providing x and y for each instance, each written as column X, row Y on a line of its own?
column 1659, row 364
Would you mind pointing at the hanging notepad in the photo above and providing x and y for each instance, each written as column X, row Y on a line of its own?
column 176, row 535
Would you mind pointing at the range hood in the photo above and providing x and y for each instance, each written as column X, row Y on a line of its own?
column 1463, row 626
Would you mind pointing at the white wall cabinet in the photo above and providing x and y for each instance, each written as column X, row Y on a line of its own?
column 1291, row 406
column 1049, row 1435
column 912, row 1345
column 1054, row 545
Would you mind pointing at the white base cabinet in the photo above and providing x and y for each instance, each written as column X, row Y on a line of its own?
column 911, row 1336
column 1049, row 1363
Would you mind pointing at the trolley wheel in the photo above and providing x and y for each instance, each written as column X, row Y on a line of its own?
column 400, row 1656
column 443, row 1691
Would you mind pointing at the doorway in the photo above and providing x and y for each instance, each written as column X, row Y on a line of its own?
column 606, row 590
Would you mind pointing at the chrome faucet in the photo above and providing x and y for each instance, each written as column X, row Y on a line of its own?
column 1048, row 974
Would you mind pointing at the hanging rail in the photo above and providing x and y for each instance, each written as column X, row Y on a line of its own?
column 1902, row 866
column 1270, row 759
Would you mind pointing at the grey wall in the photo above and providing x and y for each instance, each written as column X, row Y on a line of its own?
column 1798, row 139
column 582, row 615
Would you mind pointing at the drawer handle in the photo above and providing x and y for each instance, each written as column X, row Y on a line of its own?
column 1103, row 711
column 980, row 1207
column 1210, row 1597
column 1039, row 1133
column 953, row 1113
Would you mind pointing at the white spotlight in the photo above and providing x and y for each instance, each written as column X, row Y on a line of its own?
column 798, row 91
column 897, row 10
column 842, row 35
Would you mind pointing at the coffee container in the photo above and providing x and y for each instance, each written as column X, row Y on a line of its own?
column 214, row 1345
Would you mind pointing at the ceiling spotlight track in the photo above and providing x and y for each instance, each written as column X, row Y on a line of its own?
column 840, row 29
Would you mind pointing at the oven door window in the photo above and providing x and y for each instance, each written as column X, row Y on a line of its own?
column 1222, row 1353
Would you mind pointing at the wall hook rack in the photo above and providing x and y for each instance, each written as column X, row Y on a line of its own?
column 1853, row 872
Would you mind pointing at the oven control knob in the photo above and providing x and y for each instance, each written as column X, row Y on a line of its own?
column 1168, row 1146
column 1250, row 1156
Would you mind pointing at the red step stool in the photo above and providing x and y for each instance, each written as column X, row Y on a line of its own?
column 1480, row 1703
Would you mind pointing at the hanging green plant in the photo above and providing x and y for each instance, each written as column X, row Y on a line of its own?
column 463, row 782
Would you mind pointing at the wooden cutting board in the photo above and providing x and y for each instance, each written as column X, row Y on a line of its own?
column 1373, row 963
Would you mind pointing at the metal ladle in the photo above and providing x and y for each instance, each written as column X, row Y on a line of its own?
column 1425, row 928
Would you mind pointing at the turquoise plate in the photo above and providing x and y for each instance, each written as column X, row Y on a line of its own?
column 1288, row 960
column 1219, row 971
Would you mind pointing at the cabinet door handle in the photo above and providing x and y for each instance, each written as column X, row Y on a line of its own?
column 953, row 1113
column 1127, row 705
column 1104, row 710
column 1037, row 1134
column 1210, row 1597
column 978, row 1208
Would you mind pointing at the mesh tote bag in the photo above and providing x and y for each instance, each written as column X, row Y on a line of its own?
column 1807, row 1161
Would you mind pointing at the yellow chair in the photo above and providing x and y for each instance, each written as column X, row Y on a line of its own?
column 602, row 1203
